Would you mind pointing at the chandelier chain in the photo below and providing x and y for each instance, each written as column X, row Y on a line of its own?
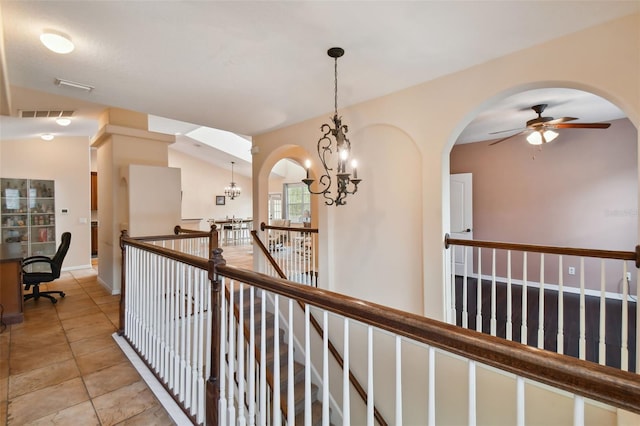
column 335, row 87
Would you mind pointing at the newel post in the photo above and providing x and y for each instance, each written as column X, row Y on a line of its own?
column 123, row 234
column 213, row 382
column 213, row 239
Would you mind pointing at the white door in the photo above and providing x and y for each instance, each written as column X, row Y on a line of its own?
column 461, row 195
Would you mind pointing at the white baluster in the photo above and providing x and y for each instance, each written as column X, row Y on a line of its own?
column 431, row 403
column 494, row 323
column 525, row 309
column 346, row 404
column 472, row 393
column 325, row 368
column 277, row 412
column 252, row 357
column 479, row 293
column 578, row 410
column 307, row 368
column 560, row 334
column 263, row 361
column 189, row 331
column 241, row 345
column 509, row 324
column 465, row 309
column 291, row 406
column 541, row 305
column 231, row 359
column 453, row 286
column 602, row 347
column 398, row 380
column 624, row 350
column 583, row 322
column 370, row 388
column 520, row 406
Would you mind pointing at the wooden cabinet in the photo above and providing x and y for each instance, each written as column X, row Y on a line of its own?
column 94, row 238
column 94, row 191
column 11, row 282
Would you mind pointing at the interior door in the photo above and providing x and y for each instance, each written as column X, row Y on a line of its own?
column 461, row 196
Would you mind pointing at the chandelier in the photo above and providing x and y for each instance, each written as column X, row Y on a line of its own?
column 232, row 191
column 341, row 153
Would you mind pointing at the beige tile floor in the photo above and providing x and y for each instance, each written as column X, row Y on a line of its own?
column 61, row 366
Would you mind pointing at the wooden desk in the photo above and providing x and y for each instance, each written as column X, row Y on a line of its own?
column 11, row 282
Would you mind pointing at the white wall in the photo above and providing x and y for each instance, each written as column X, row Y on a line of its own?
column 201, row 182
column 67, row 161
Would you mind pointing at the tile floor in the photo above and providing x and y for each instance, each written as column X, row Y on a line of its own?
column 61, row 365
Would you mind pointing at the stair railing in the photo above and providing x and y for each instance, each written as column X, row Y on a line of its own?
column 318, row 328
column 584, row 380
column 531, row 290
column 173, row 315
column 293, row 249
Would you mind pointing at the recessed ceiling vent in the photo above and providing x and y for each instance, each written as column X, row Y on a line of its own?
column 52, row 113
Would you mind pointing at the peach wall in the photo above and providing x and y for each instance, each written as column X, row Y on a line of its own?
column 578, row 191
column 201, row 182
column 432, row 115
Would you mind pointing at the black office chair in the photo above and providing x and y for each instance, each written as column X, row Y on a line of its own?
column 53, row 273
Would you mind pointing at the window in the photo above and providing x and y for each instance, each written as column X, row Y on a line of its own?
column 275, row 206
column 297, row 202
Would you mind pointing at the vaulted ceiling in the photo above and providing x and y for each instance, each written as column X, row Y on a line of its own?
column 250, row 67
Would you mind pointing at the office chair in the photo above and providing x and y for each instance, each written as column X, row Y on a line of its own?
column 54, row 265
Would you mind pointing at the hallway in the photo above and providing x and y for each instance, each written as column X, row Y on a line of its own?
column 62, row 366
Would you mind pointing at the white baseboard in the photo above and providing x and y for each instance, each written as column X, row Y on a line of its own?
column 156, row 387
column 555, row 287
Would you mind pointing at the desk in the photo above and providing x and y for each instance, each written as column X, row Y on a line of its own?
column 11, row 282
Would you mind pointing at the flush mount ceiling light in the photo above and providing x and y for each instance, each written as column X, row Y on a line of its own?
column 63, row 121
column 47, row 137
column 57, row 42
column 345, row 183
column 72, row 84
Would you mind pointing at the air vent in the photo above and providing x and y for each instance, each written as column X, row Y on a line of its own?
column 53, row 113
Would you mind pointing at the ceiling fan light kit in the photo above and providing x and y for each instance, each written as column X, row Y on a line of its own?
column 539, row 137
column 540, row 128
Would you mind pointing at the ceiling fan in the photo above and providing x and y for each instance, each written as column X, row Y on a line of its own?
column 540, row 129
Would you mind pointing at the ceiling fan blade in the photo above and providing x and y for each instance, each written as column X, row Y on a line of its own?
column 561, row 120
column 581, row 125
column 504, row 131
column 508, row 137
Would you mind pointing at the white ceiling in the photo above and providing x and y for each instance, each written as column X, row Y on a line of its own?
column 250, row 67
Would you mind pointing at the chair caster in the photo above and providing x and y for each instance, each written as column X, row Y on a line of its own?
column 62, row 294
column 54, row 301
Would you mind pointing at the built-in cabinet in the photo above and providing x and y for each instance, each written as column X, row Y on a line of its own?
column 27, row 215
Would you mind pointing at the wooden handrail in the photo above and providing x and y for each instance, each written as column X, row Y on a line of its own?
column 316, row 325
column 601, row 383
column 198, row 262
column 264, row 226
column 532, row 248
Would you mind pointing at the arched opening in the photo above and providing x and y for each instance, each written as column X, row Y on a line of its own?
column 579, row 191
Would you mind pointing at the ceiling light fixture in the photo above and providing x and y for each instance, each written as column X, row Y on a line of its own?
column 232, row 191
column 342, row 150
column 46, row 137
column 57, row 42
column 63, row 121
column 541, row 136
column 68, row 83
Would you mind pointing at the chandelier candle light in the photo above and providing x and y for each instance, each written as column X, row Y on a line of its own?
column 345, row 184
column 232, row 191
